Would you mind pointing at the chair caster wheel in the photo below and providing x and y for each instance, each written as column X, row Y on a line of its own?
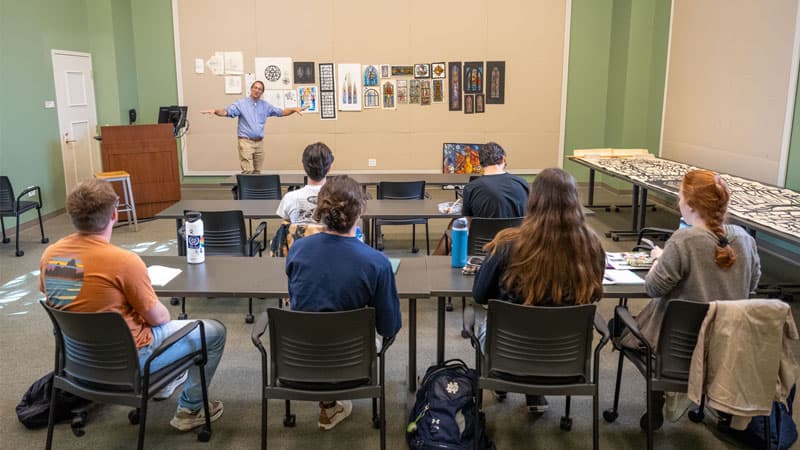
column 45, row 240
column 414, row 250
column 20, row 253
column 174, row 301
column 6, row 240
column 249, row 318
column 610, row 415
column 696, row 416
column 182, row 316
column 566, row 423
column 204, row 435
column 376, row 423
column 465, row 334
column 616, row 209
column 290, row 421
column 133, row 417
column 615, row 238
column 448, row 307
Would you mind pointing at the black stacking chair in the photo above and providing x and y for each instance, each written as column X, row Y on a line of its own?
column 257, row 187
column 224, row 234
column 321, row 356
column 669, row 367
column 403, row 190
column 540, row 350
column 97, row 359
column 11, row 206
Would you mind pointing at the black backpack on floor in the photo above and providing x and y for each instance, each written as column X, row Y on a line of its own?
column 443, row 416
column 34, row 408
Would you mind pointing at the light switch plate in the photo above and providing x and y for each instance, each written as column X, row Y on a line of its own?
column 49, row 104
column 372, row 162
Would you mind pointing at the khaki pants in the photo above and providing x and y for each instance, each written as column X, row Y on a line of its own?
column 251, row 156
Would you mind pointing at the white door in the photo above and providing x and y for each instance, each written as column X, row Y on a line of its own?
column 77, row 115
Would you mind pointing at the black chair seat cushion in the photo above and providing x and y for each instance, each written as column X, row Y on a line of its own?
column 323, row 386
column 22, row 207
column 534, row 379
column 400, row 221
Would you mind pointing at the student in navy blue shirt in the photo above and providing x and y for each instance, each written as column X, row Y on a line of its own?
column 334, row 271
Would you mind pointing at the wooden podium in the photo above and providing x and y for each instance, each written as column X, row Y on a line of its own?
column 149, row 154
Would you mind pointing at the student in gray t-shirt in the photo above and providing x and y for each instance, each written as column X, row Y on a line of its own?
column 708, row 261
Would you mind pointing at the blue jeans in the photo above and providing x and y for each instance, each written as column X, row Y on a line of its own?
column 192, row 395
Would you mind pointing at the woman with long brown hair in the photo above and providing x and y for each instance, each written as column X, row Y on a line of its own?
column 708, row 261
column 552, row 259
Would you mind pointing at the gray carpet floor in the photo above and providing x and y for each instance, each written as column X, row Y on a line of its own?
column 27, row 347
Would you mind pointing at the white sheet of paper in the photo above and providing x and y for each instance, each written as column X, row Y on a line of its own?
column 234, row 63
column 274, row 98
column 290, row 98
column 612, row 276
column 233, row 84
column 216, row 64
column 199, row 65
column 275, row 73
column 161, row 275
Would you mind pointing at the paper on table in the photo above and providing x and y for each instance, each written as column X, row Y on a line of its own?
column 161, row 275
column 612, row 276
column 628, row 260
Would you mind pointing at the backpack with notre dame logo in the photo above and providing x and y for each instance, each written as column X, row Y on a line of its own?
column 443, row 416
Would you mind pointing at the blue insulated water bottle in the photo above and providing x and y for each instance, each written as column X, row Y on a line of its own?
column 458, row 252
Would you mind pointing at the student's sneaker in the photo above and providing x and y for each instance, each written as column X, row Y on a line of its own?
column 330, row 417
column 537, row 403
column 166, row 391
column 186, row 419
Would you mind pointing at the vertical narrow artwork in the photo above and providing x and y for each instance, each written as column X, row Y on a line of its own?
column 438, row 70
column 389, row 94
column 496, row 82
column 304, row 73
column 454, row 85
column 385, row 70
column 275, row 73
column 307, row 96
column 469, row 103
column 438, row 91
column 479, row 103
column 402, row 91
column 371, row 75
column 413, row 91
column 461, row 158
column 372, row 98
column 425, row 92
column 349, row 88
column 473, row 77
column 327, row 92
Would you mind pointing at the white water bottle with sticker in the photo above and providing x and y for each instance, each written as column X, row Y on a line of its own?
column 195, row 244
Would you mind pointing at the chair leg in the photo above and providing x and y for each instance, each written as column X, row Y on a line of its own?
column 414, row 248
column 264, row 413
column 51, row 420
column 566, row 420
column 182, row 315
column 142, row 422
column 596, row 420
column 41, row 226
column 383, row 417
column 449, row 306
column 649, row 403
column 249, row 317
column 19, row 252
column 464, row 331
column 205, row 434
column 611, row 415
column 289, row 419
column 3, row 226
column 477, row 421
column 376, row 421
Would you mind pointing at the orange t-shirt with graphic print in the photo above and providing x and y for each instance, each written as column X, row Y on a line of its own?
column 83, row 273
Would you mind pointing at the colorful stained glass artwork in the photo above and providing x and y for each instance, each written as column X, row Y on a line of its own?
column 461, row 158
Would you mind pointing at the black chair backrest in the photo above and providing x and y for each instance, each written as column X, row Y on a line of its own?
column 678, row 337
column 320, row 348
column 482, row 231
column 96, row 349
column 224, row 233
column 259, row 187
column 7, row 199
column 534, row 343
column 401, row 190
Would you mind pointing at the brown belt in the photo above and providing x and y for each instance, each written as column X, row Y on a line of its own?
column 252, row 139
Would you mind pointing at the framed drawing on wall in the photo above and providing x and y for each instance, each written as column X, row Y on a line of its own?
column 438, row 91
column 304, row 73
column 454, row 85
column 496, row 82
column 479, row 103
column 349, row 88
column 422, row 70
column 438, row 70
column 469, row 103
column 473, row 77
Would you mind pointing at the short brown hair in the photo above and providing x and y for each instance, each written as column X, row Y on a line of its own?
column 491, row 154
column 317, row 161
column 340, row 203
column 90, row 205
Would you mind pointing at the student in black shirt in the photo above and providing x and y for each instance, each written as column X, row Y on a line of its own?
column 496, row 194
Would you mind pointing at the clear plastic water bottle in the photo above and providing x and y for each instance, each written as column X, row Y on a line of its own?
column 458, row 253
column 359, row 234
column 195, row 244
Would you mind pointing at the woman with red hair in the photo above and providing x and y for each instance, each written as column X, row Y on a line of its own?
column 708, row 261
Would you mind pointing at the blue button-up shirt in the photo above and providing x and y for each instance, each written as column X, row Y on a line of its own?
column 252, row 116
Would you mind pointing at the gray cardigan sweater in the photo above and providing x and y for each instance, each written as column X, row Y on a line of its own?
column 686, row 270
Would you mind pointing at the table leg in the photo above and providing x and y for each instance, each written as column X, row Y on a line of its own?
column 440, row 330
column 635, row 207
column 591, row 188
column 643, row 210
column 412, row 345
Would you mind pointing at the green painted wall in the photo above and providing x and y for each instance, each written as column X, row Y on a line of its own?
column 615, row 87
column 154, row 47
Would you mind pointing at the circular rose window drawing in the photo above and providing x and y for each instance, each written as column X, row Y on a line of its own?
column 272, row 73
